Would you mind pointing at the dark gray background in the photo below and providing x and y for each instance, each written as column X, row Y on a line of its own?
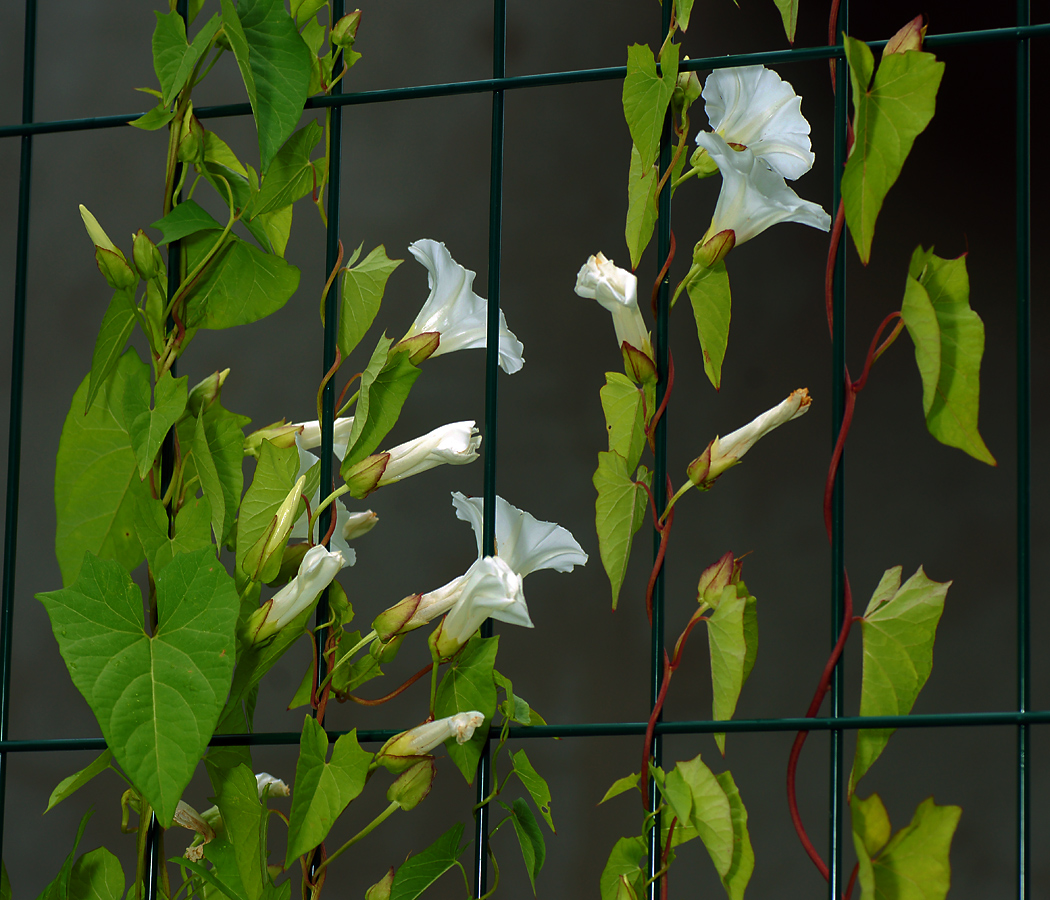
column 420, row 169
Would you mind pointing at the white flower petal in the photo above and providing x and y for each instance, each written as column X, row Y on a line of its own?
column 454, row 444
column 615, row 289
column 753, row 106
column 491, row 589
column 753, row 196
column 454, row 311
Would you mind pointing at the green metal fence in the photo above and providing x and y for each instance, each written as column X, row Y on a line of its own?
column 1021, row 719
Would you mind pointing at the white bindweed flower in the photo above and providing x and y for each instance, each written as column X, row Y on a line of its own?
column 724, row 452
column 455, row 445
column 403, row 750
column 490, row 589
column 316, row 571
column 455, row 312
column 270, row 787
column 357, row 524
column 751, row 106
column 615, row 289
column 310, row 436
column 753, row 196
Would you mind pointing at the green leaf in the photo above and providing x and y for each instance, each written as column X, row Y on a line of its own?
column 97, row 876
column 192, row 532
column 642, row 211
column 627, row 857
column 535, row 785
column 530, row 838
column 97, row 487
column 117, row 325
column 303, row 10
column 207, row 874
column 622, row 403
column 323, row 790
column 750, row 630
column 157, row 699
column 244, row 821
column 385, row 384
column 712, row 305
column 725, row 637
column 621, row 786
column 683, row 9
column 278, row 228
column 736, row 879
column 949, row 344
column 914, row 864
column 619, row 513
column 78, row 779
column 898, row 657
column 275, row 66
column 469, row 684
column 888, row 114
column 418, row 872
column 646, row 96
column 5, row 883
column 58, row 889
column 155, row 119
column 363, row 288
column 217, row 151
column 216, row 437
column 147, row 427
column 241, row 284
column 275, row 475
column 173, row 57
column 185, row 219
column 789, row 13
column 710, row 813
column 291, row 175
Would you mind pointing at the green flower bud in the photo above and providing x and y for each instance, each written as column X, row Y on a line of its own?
column 702, row 161
column 714, row 249
column 381, row 889
column 413, row 785
column 344, row 32
column 279, row 434
column 386, row 652
column 191, row 141
column 399, row 618
column 687, row 90
column 98, row 236
column 115, row 269
column 206, row 392
column 147, row 257
column 364, row 477
column 263, row 560
column 419, row 346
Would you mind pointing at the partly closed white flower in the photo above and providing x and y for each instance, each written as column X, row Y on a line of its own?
column 455, row 312
column 343, row 523
column 523, row 542
column 310, row 436
column 753, row 196
column 724, row 452
column 455, row 445
column 316, row 571
column 753, row 107
column 357, row 524
column 402, row 750
column 617, row 290
column 269, row 786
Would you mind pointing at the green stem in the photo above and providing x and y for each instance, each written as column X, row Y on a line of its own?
column 349, row 403
column 324, row 504
column 685, row 487
column 364, row 832
column 353, row 651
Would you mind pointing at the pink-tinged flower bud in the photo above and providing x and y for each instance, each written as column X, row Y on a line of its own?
column 381, row 889
column 456, row 445
column 264, row 557
column 419, row 347
column 147, row 257
column 639, row 367
column 910, row 37
column 318, row 568
column 714, row 579
column 359, row 523
column 723, row 453
column 115, row 269
column 206, row 392
column 412, row 786
column 403, row 750
column 270, row 787
column 615, row 289
column 713, row 250
column 344, row 32
column 362, row 478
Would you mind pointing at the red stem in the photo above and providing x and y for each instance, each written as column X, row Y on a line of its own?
column 404, row 687
column 663, row 273
column 852, row 881
column 651, row 427
column 876, row 349
column 663, row 859
column 651, row 726
column 665, row 534
column 829, row 271
column 836, row 456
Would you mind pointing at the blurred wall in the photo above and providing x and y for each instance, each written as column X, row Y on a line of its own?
column 420, row 168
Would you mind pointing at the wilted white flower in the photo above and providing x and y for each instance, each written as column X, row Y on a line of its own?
column 617, row 290
column 455, row 444
column 316, row 571
column 752, row 107
column 455, row 312
column 188, row 817
column 270, row 787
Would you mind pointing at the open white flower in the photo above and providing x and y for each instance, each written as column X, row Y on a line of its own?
column 455, row 312
column 490, row 589
column 316, row 571
column 455, row 445
column 615, row 289
column 754, row 107
column 753, row 196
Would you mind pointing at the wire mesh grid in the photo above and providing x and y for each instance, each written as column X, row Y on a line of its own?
column 1020, row 719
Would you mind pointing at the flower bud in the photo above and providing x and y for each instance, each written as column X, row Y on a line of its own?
column 714, row 579
column 362, row 478
column 403, row 750
column 147, row 257
column 263, row 560
column 420, row 347
column 687, row 90
column 95, row 231
column 191, row 141
column 381, row 889
column 203, row 394
column 318, row 568
column 359, row 523
column 639, row 367
column 270, row 787
column 279, row 434
column 412, row 785
column 714, row 249
column 384, row 652
column 910, row 37
column 400, row 618
column 344, row 32
column 624, row 891
column 702, row 161
column 115, row 269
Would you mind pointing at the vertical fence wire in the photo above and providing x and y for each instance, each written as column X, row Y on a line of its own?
column 1024, row 420
column 14, row 434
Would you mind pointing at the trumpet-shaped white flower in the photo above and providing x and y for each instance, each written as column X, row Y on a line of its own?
column 753, row 196
column 490, row 589
column 753, row 107
column 617, row 290
column 316, row 571
column 455, row 312
column 523, row 542
column 455, row 445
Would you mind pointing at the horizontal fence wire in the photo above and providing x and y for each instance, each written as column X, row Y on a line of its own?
column 836, row 724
